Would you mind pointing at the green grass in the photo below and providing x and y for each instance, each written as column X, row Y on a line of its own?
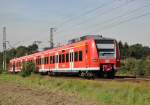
column 104, row 92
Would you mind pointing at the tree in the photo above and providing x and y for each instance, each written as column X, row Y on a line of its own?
column 27, row 69
column 21, row 51
column 124, row 49
column 11, row 54
column 32, row 48
column 121, row 49
column 137, row 51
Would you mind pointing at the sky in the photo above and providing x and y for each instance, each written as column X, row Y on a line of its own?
column 27, row 21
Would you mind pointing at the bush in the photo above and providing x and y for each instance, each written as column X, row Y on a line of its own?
column 27, row 69
column 138, row 69
column 128, row 65
column 146, row 66
column 132, row 66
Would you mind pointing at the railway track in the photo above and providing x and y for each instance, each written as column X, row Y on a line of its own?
column 117, row 78
column 125, row 79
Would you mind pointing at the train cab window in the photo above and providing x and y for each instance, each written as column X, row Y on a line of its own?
column 60, row 58
column 53, row 59
column 76, row 56
column 80, row 55
column 63, row 58
column 67, row 57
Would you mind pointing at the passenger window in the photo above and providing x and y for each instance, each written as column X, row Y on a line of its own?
column 42, row 62
column 56, row 58
column 80, row 55
column 59, row 58
column 38, row 61
column 45, row 60
column 63, row 58
column 53, row 59
column 76, row 56
column 70, row 57
column 67, row 57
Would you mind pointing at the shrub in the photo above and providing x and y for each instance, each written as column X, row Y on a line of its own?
column 146, row 66
column 27, row 69
column 128, row 65
column 132, row 66
column 139, row 67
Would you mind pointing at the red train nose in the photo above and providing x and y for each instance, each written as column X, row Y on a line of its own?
column 107, row 68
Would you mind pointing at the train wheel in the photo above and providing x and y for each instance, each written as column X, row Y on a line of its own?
column 100, row 74
column 82, row 74
column 90, row 75
column 50, row 73
column 111, row 74
column 43, row 73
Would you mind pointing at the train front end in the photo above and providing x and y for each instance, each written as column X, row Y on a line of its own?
column 109, row 56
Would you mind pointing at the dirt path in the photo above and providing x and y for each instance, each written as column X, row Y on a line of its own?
column 14, row 94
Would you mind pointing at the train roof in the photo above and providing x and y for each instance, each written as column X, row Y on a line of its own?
column 86, row 37
column 70, row 42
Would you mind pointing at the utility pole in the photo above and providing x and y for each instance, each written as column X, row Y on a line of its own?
column 4, row 48
column 51, row 37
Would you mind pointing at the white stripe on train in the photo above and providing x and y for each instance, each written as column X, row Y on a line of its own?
column 68, row 69
column 64, row 69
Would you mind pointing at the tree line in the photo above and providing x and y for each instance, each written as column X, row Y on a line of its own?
column 18, row 52
column 137, row 51
column 135, row 59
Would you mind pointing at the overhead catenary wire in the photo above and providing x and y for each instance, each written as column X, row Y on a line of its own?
column 122, row 15
column 115, row 18
column 85, row 21
column 101, row 14
column 123, row 21
column 85, row 13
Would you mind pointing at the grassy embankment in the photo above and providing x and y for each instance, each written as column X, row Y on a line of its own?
column 103, row 92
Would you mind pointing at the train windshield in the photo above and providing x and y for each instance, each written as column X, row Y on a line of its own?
column 106, row 48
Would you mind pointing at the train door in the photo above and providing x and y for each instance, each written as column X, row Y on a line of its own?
column 13, row 67
column 42, row 62
column 86, row 55
column 56, row 60
column 71, row 59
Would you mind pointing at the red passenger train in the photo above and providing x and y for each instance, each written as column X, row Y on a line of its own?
column 88, row 55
